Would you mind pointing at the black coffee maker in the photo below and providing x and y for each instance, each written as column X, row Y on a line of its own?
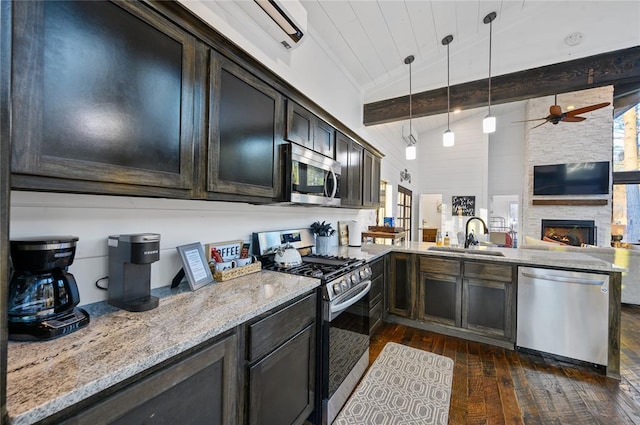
column 42, row 295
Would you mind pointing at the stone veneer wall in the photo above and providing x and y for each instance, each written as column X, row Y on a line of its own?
column 590, row 140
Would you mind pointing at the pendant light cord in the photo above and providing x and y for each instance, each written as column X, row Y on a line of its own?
column 408, row 61
column 448, row 88
column 410, row 107
column 490, row 34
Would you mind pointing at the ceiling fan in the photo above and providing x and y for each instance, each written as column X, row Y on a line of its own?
column 556, row 115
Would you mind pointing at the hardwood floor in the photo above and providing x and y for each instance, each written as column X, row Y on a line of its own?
column 492, row 385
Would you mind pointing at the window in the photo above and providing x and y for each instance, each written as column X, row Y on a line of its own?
column 626, row 174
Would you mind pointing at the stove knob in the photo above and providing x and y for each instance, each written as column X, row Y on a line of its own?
column 369, row 271
column 355, row 278
column 337, row 288
column 345, row 284
column 364, row 273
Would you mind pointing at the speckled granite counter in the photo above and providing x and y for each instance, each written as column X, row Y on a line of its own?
column 529, row 257
column 46, row 377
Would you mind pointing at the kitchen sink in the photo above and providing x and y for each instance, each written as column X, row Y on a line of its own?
column 473, row 251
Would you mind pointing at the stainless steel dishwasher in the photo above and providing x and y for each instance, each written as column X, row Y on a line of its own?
column 564, row 313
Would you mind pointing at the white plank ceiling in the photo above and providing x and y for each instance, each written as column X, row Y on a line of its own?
column 371, row 38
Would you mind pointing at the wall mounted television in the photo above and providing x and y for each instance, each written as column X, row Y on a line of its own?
column 579, row 178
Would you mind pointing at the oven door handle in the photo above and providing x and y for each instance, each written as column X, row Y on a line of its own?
column 351, row 301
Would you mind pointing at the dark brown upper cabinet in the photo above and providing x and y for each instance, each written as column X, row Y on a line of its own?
column 349, row 154
column 306, row 129
column 103, row 97
column 245, row 129
column 370, row 180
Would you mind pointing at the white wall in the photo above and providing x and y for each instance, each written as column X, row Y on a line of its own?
column 458, row 170
column 590, row 140
column 93, row 218
column 506, row 154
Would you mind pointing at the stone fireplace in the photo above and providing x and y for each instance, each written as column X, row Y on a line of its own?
column 569, row 232
column 590, row 140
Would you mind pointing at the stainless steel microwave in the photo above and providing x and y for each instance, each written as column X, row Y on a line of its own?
column 309, row 177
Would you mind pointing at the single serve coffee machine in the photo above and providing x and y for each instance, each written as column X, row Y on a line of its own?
column 130, row 258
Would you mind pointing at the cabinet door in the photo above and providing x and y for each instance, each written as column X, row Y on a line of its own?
column 401, row 294
column 199, row 389
column 375, row 182
column 245, row 131
column 299, row 125
column 488, row 299
column 371, row 180
column 282, row 385
column 439, row 299
column 102, row 92
column 440, row 291
column 306, row 129
column 349, row 155
column 324, row 136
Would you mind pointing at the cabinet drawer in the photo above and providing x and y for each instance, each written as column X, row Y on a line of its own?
column 376, row 289
column 439, row 266
column 375, row 316
column 377, row 268
column 492, row 271
column 270, row 332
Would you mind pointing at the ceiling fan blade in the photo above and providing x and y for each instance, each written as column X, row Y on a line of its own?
column 587, row 109
column 573, row 119
column 540, row 124
column 535, row 119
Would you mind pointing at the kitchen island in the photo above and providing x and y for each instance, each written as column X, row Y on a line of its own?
column 472, row 293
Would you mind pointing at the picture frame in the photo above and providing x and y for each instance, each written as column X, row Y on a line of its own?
column 463, row 206
column 195, row 265
column 229, row 249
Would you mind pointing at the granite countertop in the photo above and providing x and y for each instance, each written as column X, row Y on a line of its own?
column 527, row 257
column 46, row 377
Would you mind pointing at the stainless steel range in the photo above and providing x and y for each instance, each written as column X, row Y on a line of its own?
column 344, row 318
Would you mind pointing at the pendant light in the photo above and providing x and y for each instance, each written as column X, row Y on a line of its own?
column 410, row 150
column 448, row 138
column 489, row 122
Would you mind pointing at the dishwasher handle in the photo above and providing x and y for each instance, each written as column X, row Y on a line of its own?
column 565, row 279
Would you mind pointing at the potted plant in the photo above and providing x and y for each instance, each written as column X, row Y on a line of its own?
column 323, row 232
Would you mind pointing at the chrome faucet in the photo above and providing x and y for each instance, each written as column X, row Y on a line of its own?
column 468, row 238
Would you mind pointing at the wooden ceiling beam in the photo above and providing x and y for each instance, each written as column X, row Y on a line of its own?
column 611, row 68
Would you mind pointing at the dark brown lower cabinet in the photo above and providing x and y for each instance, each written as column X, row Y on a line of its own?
column 281, row 365
column 401, row 287
column 198, row 389
column 440, row 290
column 470, row 299
column 282, row 384
column 487, row 299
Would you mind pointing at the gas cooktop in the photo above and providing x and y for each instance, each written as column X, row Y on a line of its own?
column 324, row 267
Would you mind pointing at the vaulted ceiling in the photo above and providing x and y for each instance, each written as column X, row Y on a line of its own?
column 371, row 38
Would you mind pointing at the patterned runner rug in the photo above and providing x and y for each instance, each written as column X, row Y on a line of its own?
column 403, row 386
